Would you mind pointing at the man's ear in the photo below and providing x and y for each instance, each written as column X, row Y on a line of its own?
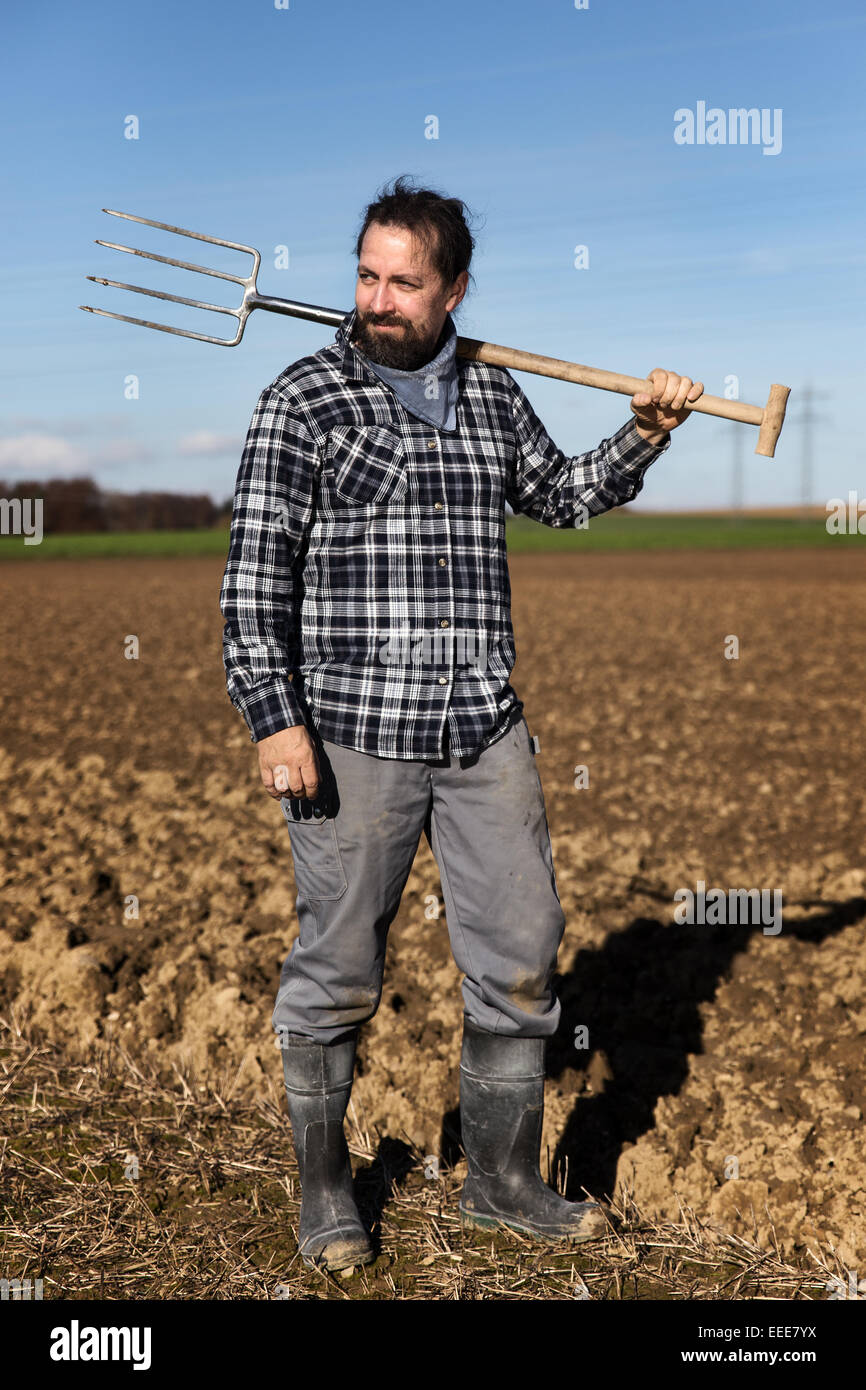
column 461, row 284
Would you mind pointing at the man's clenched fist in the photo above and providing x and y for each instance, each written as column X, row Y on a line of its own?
column 661, row 410
column 288, row 763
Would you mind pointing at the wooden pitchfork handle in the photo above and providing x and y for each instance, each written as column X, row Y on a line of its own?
column 769, row 420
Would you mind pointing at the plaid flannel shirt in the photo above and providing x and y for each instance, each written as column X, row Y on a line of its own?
column 366, row 591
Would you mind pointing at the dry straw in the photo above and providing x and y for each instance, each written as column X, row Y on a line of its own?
column 117, row 1184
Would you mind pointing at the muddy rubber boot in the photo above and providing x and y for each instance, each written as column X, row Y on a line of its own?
column 501, row 1110
column 318, row 1081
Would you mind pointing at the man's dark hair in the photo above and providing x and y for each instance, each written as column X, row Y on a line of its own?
column 438, row 222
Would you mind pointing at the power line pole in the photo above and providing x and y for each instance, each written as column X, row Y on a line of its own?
column 737, row 442
column 808, row 418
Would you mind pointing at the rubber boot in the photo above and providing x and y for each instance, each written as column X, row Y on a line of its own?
column 501, row 1111
column 318, row 1081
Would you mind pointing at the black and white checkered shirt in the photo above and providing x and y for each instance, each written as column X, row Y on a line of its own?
column 366, row 591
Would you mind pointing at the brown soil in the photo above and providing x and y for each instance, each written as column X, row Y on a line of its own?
column 711, row 1048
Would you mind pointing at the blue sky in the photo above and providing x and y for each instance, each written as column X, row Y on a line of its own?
column 556, row 125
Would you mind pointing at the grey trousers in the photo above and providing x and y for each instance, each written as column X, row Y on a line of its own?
column 353, row 849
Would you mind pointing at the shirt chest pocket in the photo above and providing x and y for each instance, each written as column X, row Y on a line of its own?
column 365, row 465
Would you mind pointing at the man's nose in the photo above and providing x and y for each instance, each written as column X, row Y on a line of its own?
column 382, row 301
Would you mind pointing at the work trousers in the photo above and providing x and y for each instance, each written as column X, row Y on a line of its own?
column 353, row 847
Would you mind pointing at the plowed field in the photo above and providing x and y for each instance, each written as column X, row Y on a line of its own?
column 724, row 1066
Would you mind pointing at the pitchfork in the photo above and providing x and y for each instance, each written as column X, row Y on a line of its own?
column 769, row 419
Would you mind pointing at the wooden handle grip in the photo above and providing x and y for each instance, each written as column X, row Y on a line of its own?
column 770, row 420
column 774, row 418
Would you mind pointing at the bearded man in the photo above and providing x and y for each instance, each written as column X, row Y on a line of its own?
column 368, row 528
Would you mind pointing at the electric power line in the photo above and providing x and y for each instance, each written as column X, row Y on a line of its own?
column 807, row 419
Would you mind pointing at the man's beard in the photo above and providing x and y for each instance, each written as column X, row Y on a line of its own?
column 404, row 348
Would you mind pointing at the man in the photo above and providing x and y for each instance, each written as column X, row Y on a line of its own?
column 368, row 644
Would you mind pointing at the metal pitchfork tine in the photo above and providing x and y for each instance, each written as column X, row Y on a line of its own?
column 768, row 418
column 251, row 298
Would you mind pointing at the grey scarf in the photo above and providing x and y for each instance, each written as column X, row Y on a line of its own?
column 431, row 391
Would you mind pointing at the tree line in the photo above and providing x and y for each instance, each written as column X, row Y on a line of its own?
column 81, row 505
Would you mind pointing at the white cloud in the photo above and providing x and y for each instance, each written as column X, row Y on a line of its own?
column 36, row 453
column 51, row 455
column 120, row 451
column 205, row 443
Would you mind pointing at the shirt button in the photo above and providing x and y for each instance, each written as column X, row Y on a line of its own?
column 442, row 559
column 443, row 680
column 431, row 443
column 443, row 622
column 438, row 506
